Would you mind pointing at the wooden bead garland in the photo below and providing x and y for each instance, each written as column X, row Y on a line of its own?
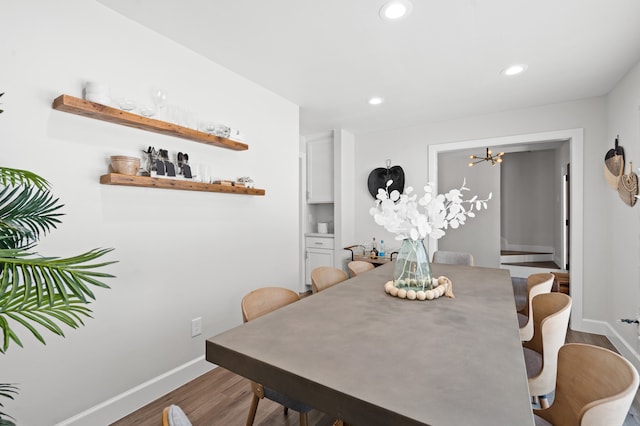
column 442, row 287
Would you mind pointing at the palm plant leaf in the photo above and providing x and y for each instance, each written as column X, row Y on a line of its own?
column 21, row 270
column 67, row 310
column 7, row 390
column 25, row 214
column 46, row 291
column 15, row 177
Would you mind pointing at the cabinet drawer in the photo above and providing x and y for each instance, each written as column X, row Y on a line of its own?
column 319, row 242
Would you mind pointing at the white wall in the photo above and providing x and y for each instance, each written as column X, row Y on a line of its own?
column 480, row 235
column 622, row 222
column 527, row 211
column 181, row 254
column 343, row 188
column 408, row 147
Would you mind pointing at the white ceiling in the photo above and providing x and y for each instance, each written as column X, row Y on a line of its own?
column 442, row 62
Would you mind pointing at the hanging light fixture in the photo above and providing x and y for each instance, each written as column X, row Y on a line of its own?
column 494, row 159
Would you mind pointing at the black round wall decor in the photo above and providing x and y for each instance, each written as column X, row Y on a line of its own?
column 378, row 179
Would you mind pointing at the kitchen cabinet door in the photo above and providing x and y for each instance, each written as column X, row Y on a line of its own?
column 316, row 258
column 320, row 171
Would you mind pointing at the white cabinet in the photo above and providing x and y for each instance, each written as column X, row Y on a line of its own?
column 320, row 170
column 319, row 252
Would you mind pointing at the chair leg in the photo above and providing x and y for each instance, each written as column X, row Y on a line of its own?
column 304, row 420
column 252, row 410
column 534, row 399
column 544, row 403
column 286, row 410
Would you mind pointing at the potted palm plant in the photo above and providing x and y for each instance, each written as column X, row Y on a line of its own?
column 38, row 293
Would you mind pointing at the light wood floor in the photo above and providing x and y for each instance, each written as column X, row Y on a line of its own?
column 222, row 398
column 219, row 398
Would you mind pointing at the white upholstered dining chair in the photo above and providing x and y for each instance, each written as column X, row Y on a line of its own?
column 453, row 257
column 255, row 304
column 357, row 267
column 594, row 387
column 324, row 277
column 174, row 416
column 550, row 321
column 536, row 284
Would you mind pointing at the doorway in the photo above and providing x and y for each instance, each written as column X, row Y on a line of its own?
column 533, row 214
column 575, row 186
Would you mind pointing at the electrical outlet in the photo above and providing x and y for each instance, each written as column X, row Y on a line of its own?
column 196, row 326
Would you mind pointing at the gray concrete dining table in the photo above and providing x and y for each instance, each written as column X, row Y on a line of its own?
column 361, row 355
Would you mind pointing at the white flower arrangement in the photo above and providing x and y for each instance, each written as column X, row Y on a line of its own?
column 411, row 218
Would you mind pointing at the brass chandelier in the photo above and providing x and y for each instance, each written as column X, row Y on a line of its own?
column 494, row 159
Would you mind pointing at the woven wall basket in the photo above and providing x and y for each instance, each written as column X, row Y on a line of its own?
column 628, row 187
column 613, row 170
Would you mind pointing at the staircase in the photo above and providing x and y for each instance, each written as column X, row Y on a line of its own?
column 524, row 263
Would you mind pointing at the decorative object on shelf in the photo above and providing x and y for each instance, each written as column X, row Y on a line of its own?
column 124, row 165
column 169, row 167
column 147, row 110
column 97, row 92
column 215, row 129
column 125, row 103
column 236, row 135
column 628, row 187
column 159, row 97
column 493, row 159
column 614, row 164
column 247, row 181
column 413, row 220
column 157, row 163
column 379, row 177
column 441, row 286
column 149, row 164
column 184, row 168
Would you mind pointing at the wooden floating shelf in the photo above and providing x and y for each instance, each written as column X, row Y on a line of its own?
column 90, row 109
column 168, row 183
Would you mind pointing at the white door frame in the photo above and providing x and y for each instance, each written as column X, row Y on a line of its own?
column 575, row 138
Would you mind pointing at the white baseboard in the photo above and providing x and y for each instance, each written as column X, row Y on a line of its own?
column 558, row 261
column 605, row 329
column 524, row 247
column 127, row 402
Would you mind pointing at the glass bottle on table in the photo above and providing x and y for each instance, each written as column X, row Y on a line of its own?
column 373, row 254
column 382, row 250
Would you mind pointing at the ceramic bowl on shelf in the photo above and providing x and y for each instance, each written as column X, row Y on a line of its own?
column 124, row 165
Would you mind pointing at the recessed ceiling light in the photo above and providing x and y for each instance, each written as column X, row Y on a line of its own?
column 395, row 10
column 515, row 69
column 376, row 100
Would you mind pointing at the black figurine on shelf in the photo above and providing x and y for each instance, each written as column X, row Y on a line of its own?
column 149, row 165
column 184, row 168
column 168, row 165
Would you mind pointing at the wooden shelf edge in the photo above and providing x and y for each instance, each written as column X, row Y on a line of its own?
column 168, row 183
column 97, row 111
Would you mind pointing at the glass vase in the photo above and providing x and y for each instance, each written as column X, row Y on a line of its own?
column 412, row 270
